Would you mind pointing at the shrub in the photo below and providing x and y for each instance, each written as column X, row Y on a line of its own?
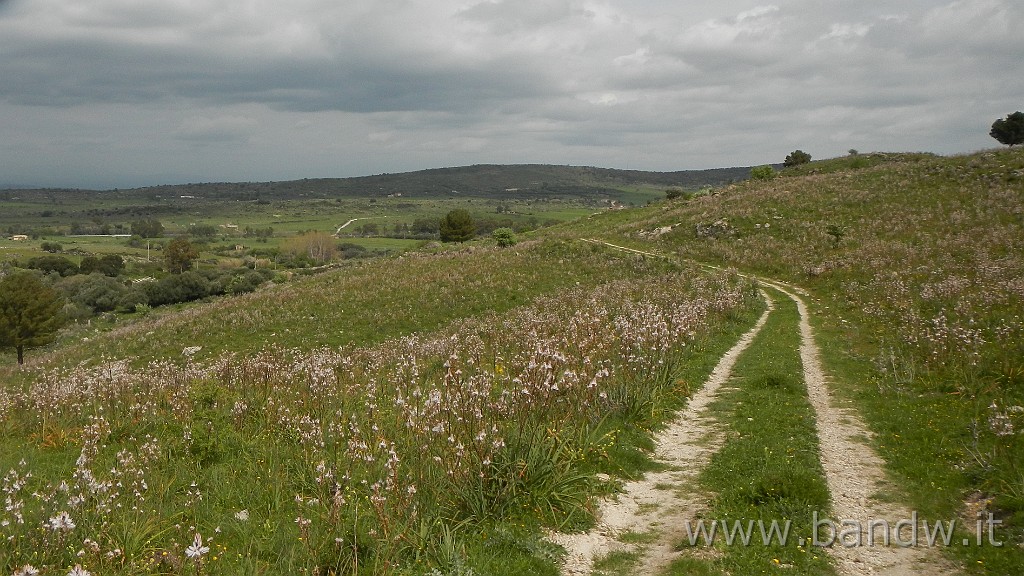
column 504, row 237
column 765, row 172
column 350, row 250
column 246, row 282
column 96, row 292
column 58, row 264
column 673, row 193
column 183, row 287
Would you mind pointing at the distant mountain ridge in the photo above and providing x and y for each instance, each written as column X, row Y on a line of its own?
column 481, row 180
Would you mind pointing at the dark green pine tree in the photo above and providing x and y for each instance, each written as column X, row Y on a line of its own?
column 30, row 313
column 457, row 226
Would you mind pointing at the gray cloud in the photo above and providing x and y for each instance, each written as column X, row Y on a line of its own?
column 262, row 90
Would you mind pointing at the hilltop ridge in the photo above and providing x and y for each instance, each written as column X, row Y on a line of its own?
column 481, row 180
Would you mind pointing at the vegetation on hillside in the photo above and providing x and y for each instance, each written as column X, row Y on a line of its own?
column 430, row 413
column 919, row 262
column 440, row 450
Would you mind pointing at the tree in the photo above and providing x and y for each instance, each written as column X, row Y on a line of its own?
column 111, row 265
column 1009, row 130
column 202, row 230
column 424, row 226
column 317, row 246
column 457, row 226
column 147, row 228
column 30, row 313
column 796, row 158
column 179, row 255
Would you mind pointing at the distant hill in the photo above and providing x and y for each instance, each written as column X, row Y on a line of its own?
column 488, row 181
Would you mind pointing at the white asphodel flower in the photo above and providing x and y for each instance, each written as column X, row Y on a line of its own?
column 62, row 522
column 196, row 549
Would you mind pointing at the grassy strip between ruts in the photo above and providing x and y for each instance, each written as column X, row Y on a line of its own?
column 767, row 475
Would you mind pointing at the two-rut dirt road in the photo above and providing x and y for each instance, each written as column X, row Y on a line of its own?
column 662, row 503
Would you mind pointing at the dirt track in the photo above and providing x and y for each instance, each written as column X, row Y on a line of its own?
column 660, row 504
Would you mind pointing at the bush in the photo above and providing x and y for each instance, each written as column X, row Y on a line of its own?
column 58, row 264
column 505, row 237
column 110, row 265
column 184, row 287
column 246, row 282
column 765, row 172
column 96, row 292
column 673, row 193
column 51, row 247
column 350, row 250
column 134, row 299
column 202, row 230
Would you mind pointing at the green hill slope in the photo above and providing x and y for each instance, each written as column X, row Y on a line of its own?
column 917, row 264
column 435, row 411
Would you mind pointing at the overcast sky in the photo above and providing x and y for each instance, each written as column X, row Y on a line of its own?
column 117, row 93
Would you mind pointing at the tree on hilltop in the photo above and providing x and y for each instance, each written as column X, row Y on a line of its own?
column 1009, row 130
column 30, row 313
column 796, row 158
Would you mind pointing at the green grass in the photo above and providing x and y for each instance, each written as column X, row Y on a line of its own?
column 895, row 246
column 366, row 302
column 226, row 433
column 618, row 562
column 924, row 282
column 768, row 470
column 913, row 431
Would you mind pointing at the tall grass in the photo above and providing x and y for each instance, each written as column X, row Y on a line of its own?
column 390, row 457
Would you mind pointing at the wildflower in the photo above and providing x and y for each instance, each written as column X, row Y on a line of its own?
column 79, row 571
column 62, row 522
column 242, row 515
column 197, row 549
column 27, row 570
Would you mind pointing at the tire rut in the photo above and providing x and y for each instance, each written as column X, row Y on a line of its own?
column 855, row 475
column 661, row 503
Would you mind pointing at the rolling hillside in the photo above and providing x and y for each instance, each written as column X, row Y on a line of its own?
column 443, row 411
